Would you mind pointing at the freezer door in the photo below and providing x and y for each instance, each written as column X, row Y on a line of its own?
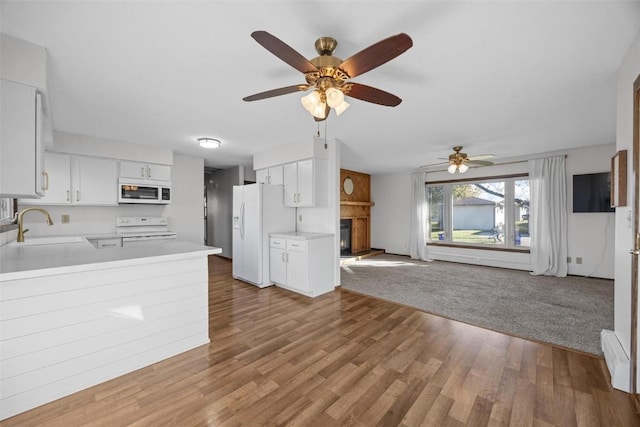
column 251, row 227
column 237, row 243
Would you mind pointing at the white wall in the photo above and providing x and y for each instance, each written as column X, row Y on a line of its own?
column 627, row 73
column 186, row 211
column 391, row 217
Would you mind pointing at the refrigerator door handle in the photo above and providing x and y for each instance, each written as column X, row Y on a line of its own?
column 242, row 220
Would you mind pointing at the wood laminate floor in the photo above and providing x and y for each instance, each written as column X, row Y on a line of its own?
column 278, row 358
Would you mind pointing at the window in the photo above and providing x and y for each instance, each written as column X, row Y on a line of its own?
column 493, row 212
column 7, row 212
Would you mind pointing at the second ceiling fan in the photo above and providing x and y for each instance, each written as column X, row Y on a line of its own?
column 329, row 75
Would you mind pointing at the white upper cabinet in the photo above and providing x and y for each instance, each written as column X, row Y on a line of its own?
column 79, row 180
column 273, row 175
column 146, row 171
column 22, row 172
column 305, row 183
column 95, row 181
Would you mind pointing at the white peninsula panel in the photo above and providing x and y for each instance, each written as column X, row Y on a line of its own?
column 69, row 327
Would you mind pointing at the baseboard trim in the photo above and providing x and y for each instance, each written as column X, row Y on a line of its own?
column 617, row 361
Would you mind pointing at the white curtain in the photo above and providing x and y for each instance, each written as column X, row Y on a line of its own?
column 548, row 216
column 419, row 217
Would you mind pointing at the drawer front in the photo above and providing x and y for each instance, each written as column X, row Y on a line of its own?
column 296, row 245
column 277, row 242
column 109, row 243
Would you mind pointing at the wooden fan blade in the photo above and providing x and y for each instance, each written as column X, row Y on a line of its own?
column 479, row 163
column 482, row 157
column 276, row 92
column 376, row 55
column 283, row 51
column 371, row 94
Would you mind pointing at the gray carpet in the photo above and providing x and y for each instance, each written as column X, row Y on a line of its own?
column 569, row 311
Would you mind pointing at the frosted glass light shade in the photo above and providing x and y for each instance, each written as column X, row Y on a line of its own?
column 463, row 168
column 209, row 142
column 320, row 110
column 310, row 102
column 341, row 107
column 335, row 97
column 452, row 168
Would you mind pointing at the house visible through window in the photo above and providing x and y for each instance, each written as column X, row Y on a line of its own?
column 490, row 212
column 7, row 210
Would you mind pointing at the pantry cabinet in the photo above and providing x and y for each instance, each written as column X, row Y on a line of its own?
column 79, row 180
column 22, row 169
column 302, row 262
column 305, row 183
column 145, row 171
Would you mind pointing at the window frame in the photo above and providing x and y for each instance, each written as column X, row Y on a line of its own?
column 448, row 213
column 7, row 224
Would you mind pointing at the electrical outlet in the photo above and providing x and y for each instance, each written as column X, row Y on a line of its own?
column 578, row 260
column 64, row 219
column 568, row 260
column 300, row 218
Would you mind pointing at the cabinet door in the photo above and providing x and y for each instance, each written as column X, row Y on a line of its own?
column 95, row 181
column 157, row 172
column 297, row 270
column 262, row 175
column 276, row 175
column 21, row 148
column 305, row 183
column 58, row 167
column 277, row 266
column 133, row 170
column 290, row 174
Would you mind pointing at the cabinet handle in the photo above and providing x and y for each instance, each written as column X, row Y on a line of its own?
column 77, row 196
column 141, row 172
column 46, row 180
column 68, row 196
column 149, row 172
column 282, row 256
column 287, row 257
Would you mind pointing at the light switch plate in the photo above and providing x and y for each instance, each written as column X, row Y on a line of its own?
column 64, row 219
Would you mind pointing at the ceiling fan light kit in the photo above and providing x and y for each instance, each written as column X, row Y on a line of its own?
column 327, row 75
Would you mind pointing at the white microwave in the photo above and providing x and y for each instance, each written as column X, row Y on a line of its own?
column 149, row 193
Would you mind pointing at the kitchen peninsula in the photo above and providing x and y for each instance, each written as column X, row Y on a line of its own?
column 72, row 316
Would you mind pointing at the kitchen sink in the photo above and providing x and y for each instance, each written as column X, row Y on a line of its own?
column 58, row 240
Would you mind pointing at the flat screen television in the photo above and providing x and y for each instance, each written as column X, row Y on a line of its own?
column 591, row 192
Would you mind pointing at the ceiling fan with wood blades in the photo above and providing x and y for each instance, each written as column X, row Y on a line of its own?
column 329, row 75
column 460, row 162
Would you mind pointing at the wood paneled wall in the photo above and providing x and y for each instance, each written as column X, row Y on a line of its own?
column 357, row 207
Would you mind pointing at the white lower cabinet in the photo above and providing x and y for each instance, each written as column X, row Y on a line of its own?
column 302, row 262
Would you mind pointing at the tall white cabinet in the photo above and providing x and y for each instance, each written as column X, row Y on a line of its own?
column 271, row 175
column 302, row 262
column 22, row 169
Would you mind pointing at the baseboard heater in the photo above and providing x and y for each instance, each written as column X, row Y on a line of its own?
column 617, row 361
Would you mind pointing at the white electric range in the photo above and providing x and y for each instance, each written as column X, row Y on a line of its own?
column 144, row 230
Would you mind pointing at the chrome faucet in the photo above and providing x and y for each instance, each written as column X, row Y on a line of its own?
column 21, row 230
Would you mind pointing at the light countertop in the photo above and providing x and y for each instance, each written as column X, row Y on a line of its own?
column 300, row 235
column 19, row 262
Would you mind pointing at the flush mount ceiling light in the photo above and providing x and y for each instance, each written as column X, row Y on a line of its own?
column 328, row 75
column 209, row 142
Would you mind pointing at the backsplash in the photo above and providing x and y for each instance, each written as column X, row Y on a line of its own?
column 84, row 220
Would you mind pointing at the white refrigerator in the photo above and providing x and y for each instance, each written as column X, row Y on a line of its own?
column 258, row 209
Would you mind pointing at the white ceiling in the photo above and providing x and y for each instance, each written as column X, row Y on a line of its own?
column 507, row 78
